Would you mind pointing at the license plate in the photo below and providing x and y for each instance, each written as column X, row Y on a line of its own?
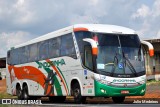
column 124, row 92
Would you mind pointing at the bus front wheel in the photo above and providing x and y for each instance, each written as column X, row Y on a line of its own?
column 78, row 98
column 118, row 99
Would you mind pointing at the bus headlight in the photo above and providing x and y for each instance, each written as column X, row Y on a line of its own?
column 141, row 82
column 103, row 81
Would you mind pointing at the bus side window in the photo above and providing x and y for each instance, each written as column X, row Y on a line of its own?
column 88, row 62
column 26, row 54
column 8, row 58
column 43, row 48
column 14, row 56
column 54, row 47
column 33, row 52
column 21, row 50
column 23, row 55
column 67, row 46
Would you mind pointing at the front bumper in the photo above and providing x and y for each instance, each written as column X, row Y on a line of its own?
column 102, row 90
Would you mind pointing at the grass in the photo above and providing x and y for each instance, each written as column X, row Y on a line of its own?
column 4, row 105
column 153, row 82
column 5, row 95
column 10, row 105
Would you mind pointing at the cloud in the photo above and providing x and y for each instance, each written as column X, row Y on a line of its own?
column 17, row 10
column 37, row 17
column 21, row 8
column 146, row 20
column 11, row 39
column 156, row 8
column 142, row 12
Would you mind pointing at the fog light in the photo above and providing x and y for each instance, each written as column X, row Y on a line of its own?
column 143, row 90
column 103, row 91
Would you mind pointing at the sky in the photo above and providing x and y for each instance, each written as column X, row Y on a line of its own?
column 23, row 20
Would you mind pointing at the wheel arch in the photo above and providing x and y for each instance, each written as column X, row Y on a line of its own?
column 75, row 80
column 25, row 83
column 18, row 83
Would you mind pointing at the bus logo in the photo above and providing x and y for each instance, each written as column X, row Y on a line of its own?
column 123, row 81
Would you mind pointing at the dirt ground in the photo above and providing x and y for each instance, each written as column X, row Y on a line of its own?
column 153, row 90
column 3, row 86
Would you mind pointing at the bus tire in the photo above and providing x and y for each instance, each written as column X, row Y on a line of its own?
column 118, row 99
column 25, row 93
column 78, row 98
column 57, row 99
column 19, row 93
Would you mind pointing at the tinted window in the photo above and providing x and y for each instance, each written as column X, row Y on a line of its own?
column 54, row 47
column 23, row 55
column 67, row 46
column 14, row 56
column 108, row 40
column 129, row 40
column 81, row 44
column 33, row 52
column 21, row 52
column 80, row 36
column 43, row 49
column 88, row 57
column 8, row 58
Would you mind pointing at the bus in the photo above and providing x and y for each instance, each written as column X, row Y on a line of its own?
column 82, row 60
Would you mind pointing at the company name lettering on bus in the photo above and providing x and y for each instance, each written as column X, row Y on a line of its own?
column 51, row 63
column 124, row 80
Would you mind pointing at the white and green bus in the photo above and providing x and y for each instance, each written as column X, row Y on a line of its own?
column 83, row 60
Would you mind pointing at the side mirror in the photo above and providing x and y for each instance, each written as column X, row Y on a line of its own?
column 93, row 45
column 94, row 51
column 150, row 46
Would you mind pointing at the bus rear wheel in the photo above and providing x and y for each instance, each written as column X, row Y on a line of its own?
column 19, row 92
column 25, row 93
column 78, row 98
column 118, row 99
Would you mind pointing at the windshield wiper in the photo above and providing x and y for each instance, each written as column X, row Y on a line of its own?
column 115, row 61
column 130, row 66
column 105, row 72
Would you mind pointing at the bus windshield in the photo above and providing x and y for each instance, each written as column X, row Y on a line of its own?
column 119, row 55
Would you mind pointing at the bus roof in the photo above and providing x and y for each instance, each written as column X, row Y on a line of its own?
column 105, row 28
column 81, row 27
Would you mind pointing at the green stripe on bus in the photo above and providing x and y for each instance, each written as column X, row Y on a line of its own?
column 56, row 82
column 63, row 77
column 57, row 86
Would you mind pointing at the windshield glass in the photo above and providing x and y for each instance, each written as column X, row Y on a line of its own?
column 119, row 55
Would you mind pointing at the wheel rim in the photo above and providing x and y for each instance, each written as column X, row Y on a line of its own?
column 25, row 95
column 19, row 93
column 76, row 92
